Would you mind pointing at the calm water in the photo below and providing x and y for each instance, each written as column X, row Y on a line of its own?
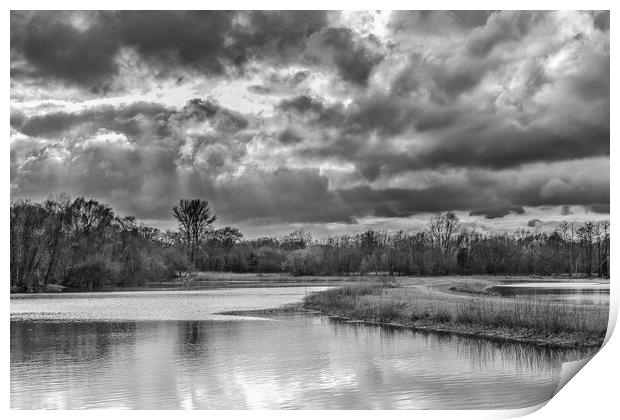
column 167, row 350
column 575, row 291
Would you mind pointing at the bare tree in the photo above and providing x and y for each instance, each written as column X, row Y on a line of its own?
column 228, row 237
column 586, row 233
column 298, row 239
column 602, row 248
column 195, row 218
column 27, row 243
column 57, row 208
column 445, row 229
column 225, row 239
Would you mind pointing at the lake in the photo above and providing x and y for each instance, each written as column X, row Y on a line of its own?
column 584, row 292
column 170, row 350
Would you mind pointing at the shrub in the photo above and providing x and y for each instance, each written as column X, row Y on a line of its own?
column 93, row 274
column 304, row 262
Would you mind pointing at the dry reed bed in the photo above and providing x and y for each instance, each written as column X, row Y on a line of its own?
column 526, row 320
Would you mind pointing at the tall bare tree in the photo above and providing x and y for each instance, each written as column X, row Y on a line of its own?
column 228, row 237
column 57, row 208
column 28, row 239
column 586, row 234
column 445, row 229
column 195, row 218
column 602, row 248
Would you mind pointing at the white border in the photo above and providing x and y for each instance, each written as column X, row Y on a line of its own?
column 593, row 394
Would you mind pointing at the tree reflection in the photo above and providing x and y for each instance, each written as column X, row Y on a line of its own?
column 75, row 341
column 193, row 341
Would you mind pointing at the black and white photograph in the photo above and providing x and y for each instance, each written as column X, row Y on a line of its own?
column 306, row 209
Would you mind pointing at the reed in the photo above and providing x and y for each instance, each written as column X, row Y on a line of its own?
column 538, row 316
column 544, row 320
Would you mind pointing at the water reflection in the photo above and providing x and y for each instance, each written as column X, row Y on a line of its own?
column 293, row 362
column 480, row 353
column 523, row 357
column 576, row 293
column 71, row 342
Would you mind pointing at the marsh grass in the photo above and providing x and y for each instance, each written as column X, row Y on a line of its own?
column 538, row 316
column 543, row 319
column 365, row 302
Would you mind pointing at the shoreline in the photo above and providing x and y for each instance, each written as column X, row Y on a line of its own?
column 461, row 305
column 456, row 305
column 488, row 333
column 445, row 308
column 210, row 280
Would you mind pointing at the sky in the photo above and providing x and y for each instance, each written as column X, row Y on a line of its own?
column 337, row 122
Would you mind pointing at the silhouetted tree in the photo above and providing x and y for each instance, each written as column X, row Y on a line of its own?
column 195, row 218
column 298, row 239
column 228, row 237
column 444, row 230
column 586, row 233
column 83, row 245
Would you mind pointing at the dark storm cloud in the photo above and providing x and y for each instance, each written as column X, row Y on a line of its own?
column 387, row 116
column 17, row 118
column 223, row 119
column 283, row 196
column 441, row 79
column 504, row 146
column 556, row 192
column 501, row 28
column 127, row 119
column 281, row 32
column 315, row 112
column 129, row 154
column 384, row 210
column 497, row 212
column 289, row 136
column 208, row 41
column 189, row 38
column 601, row 19
column 280, row 196
column 429, row 108
column 277, row 83
column 138, row 119
column 599, row 208
column 302, row 104
column 445, row 75
column 425, row 22
column 321, row 118
column 57, row 49
column 405, row 202
column 470, row 18
column 354, row 57
column 479, row 141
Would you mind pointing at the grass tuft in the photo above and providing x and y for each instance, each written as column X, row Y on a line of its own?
column 543, row 319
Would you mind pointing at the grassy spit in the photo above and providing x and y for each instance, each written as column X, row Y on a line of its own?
column 540, row 322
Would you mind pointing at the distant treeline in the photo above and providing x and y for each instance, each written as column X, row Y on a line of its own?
column 81, row 244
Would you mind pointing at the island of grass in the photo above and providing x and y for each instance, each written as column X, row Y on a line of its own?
column 464, row 306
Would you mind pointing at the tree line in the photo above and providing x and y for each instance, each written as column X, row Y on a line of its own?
column 83, row 245
column 446, row 248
